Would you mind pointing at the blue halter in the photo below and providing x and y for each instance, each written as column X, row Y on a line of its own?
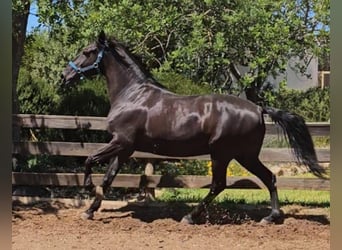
column 95, row 65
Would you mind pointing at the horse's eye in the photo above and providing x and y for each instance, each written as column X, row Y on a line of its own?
column 87, row 52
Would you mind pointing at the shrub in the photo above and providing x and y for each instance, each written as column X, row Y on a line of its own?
column 86, row 98
column 313, row 104
column 183, row 167
column 234, row 169
column 35, row 96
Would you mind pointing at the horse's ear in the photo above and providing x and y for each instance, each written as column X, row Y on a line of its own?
column 102, row 37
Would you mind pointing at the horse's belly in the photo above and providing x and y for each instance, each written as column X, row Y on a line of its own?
column 190, row 147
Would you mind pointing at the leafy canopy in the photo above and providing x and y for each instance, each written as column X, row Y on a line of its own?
column 204, row 41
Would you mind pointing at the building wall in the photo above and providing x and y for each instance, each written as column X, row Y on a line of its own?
column 297, row 80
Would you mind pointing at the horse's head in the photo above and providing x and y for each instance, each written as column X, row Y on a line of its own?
column 87, row 63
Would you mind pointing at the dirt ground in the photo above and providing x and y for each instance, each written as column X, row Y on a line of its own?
column 131, row 226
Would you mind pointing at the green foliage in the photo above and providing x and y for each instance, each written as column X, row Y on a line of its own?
column 313, row 104
column 235, row 169
column 46, row 56
column 322, row 141
column 88, row 98
column 19, row 5
column 198, row 39
column 179, row 84
column 51, row 164
column 279, row 141
column 183, row 167
column 35, row 96
column 39, row 87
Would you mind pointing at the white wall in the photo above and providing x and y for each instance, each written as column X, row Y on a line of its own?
column 297, row 80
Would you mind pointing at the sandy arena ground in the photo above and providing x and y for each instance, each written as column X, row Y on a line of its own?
column 131, row 226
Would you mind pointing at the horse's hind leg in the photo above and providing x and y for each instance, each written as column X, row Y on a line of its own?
column 219, row 170
column 255, row 166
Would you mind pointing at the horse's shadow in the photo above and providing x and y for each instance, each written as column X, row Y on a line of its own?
column 148, row 212
column 216, row 214
column 38, row 208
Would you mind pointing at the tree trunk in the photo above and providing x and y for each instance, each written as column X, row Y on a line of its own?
column 252, row 94
column 19, row 23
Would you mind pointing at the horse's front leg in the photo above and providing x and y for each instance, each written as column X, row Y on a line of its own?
column 112, row 171
column 102, row 155
column 88, row 182
column 118, row 150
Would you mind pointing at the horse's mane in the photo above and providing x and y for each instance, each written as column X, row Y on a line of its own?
column 133, row 62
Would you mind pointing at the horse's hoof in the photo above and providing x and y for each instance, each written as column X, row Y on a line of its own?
column 187, row 220
column 99, row 192
column 87, row 216
column 266, row 221
column 272, row 220
column 276, row 217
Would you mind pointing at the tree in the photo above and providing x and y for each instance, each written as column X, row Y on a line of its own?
column 20, row 12
column 206, row 41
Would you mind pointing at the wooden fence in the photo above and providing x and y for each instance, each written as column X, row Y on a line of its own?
column 147, row 180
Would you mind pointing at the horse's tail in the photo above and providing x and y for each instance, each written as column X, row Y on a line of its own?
column 298, row 136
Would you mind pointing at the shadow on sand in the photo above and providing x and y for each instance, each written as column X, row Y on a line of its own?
column 217, row 214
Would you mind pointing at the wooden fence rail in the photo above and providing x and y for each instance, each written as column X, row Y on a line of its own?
column 164, row 181
column 99, row 123
column 148, row 181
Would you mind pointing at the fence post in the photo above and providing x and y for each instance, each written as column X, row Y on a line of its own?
column 149, row 192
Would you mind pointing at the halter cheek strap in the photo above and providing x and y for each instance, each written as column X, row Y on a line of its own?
column 95, row 65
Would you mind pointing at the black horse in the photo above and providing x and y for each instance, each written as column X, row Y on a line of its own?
column 146, row 117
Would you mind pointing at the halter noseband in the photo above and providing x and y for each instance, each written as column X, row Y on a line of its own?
column 95, row 65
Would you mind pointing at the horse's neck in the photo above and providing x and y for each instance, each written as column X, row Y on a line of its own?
column 119, row 80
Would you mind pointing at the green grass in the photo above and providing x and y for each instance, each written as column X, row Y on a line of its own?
column 279, row 141
column 243, row 196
